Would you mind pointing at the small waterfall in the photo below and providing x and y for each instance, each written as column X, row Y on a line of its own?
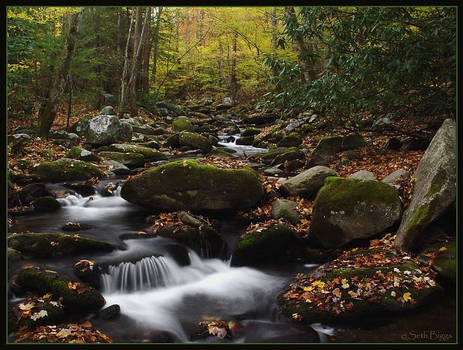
column 149, row 272
column 70, row 200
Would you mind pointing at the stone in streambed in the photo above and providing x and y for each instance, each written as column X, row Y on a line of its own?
column 128, row 159
column 148, row 153
column 107, row 129
column 46, row 204
column 189, row 185
column 182, row 124
column 67, row 169
column 286, row 209
column 308, row 182
column 194, row 140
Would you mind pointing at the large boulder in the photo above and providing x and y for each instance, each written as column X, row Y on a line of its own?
column 359, row 284
column 363, row 175
column 280, row 155
column 148, row 153
column 193, row 186
column 347, row 209
column 33, row 191
column 126, row 158
column 434, row 190
column 107, row 129
column 308, row 182
column 260, row 246
column 282, row 208
column 182, row 124
column 194, row 140
column 329, row 146
column 67, row 169
column 259, row 118
column 45, row 245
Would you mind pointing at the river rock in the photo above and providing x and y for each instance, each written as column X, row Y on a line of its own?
column 444, row 263
column 308, row 182
column 245, row 140
column 249, row 132
column 13, row 254
column 108, row 110
column 291, row 140
column 189, row 185
column 286, row 209
column 45, row 245
column 148, row 153
column 257, row 247
column 434, row 190
column 132, row 160
column 182, row 124
column 81, row 153
column 81, row 126
column 51, row 312
column 46, row 204
column 81, row 188
column 116, row 168
column 347, row 209
column 67, row 169
column 395, row 177
column 110, row 312
column 194, row 140
column 259, row 118
column 362, row 175
column 280, row 155
column 33, row 191
column 45, row 281
column 350, row 297
column 352, row 141
column 326, row 148
column 107, row 129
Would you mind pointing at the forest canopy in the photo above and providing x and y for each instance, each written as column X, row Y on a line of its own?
column 338, row 61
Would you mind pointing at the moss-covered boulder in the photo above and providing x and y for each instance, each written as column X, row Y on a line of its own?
column 204, row 240
column 67, row 169
column 261, row 246
column 46, row 204
column 326, row 148
column 357, row 285
column 81, row 153
column 148, row 153
column 182, row 124
column 189, row 185
column 280, row 155
column 76, row 295
column 291, row 140
column 128, row 159
column 347, row 209
column 109, row 110
column 13, row 254
column 282, row 208
column 434, row 190
column 45, row 245
column 33, row 191
column 245, row 140
column 307, row 183
column 352, row 141
column 194, row 140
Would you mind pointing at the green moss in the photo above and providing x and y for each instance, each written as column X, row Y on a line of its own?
column 74, row 152
column 187, row 184
column 344, row 194
column 280, row 155
column 55, row 244
column 182, row 124
column 195, row 140
column 258, row 247
column 437, row 182
column 44, row 282
column 292, row 140
column 67, row 169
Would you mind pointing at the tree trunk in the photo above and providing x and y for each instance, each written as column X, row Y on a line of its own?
column 125, row 73
column 221, row 72
column 55, row 92
column 155, row 46
column 133, row 74
column 69, row 101
column 302, row 47
column 273, row 21
column 99, row 99
column 233, row 81
column 145, row 85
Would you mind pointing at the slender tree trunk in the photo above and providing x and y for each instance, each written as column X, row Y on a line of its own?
column 55, row 92
column 99, row 100
column 69, row 100
column 233, row 81
column 125, row 73
column 155, row 46
column 221, row 72
column 302, row 47
column 133, row 74
column 146, row 56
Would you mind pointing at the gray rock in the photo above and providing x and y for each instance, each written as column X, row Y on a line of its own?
column 194, row 140
column 273, row 171
column 326, row 148
column 347, row 209
column 352, row 154
column 396, row 176
column 382, row 122
column 189, row 219
column 308, row 182
column 21, row 136
column 32, row 191
column 286, row 209
column 352, row 141
column 108, row 110
column 434, row 189
column 106, row 129
column 116, row 167
column 362, row 175
column 80, row 126
column 144, row 129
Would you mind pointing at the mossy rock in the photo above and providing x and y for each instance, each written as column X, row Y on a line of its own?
column 43, row 281
column 347, row 209
column 67, row 169
column 182, row 124
column 387, row 302
column 256, row 248
column 110, row 312
column 250, row 132
column 109, row 110
column 308, row 182
column 445, row 262
column 127, row 158
column 148, row 153
column 205, row 241
column 194, row 140
column 46, row 204
column 81, row 153
column 245, row 140
column 326, row 148
column 352, row 141
column 172, row 141
column 44, row 245
column 280, row 155
column 189, row 185
column 285, row 209
column 291, row 140
column 13, row 254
